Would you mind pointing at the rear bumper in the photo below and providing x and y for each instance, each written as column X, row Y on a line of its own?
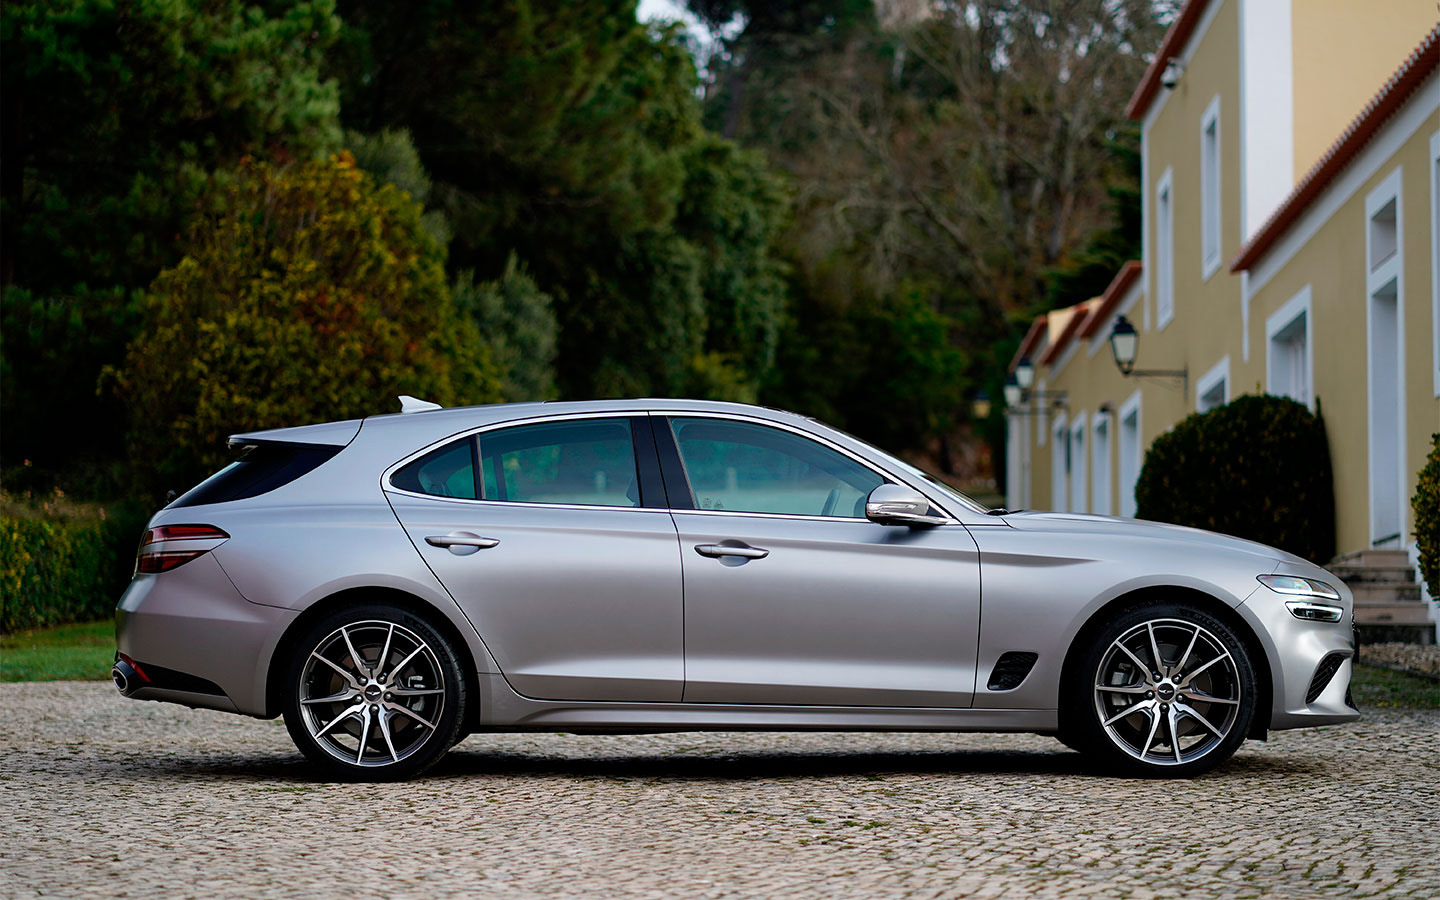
column 192, row 622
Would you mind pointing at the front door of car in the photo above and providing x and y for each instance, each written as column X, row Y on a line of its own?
column 560, row 553
column 792, row 596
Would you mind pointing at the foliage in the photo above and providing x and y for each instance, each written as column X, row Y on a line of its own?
column 47, row 375
column 114, row 113
column 516, row 320
column 391, row 158
column 307, row 294
column 571, row 139
column 1426, row 504
column 885, row 368
column 1257, row 468
column 59, row 564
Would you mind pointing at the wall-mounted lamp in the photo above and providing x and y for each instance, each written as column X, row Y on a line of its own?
column 1174, row 68
column 980, row 406
column 1125, row 344
column 1017, row 390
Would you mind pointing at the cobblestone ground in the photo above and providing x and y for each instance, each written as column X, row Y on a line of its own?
column 104, row 797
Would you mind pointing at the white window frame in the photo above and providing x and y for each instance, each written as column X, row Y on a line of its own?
column 1210, row 193
column 1059, row 462
column 1376, row 279
column 1079, row 464
column 1164, row 250
column 1435, row 256
column 1280, row 320
column 1218, row 375
column 1102, row 437
column 1128, row 479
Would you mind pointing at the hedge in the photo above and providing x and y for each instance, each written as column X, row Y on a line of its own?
column 54, row 571
column 1257, row 468
column 1426, row 504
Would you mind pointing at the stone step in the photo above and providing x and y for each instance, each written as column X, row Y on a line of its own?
column 1365, row 574
column 1372, row 557
column 1392, row 614
column 1366, row 594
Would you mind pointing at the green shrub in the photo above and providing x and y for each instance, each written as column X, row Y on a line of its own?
column 308, row 293
column 1257, row 468
column 1426, row 504
column 59, row 568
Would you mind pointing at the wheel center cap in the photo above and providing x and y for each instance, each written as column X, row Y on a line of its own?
column 1165, row 691
column 372, row 692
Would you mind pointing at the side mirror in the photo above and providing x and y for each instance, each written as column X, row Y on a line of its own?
column 896, row 504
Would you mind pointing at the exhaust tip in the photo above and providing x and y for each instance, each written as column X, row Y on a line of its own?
column 124, row 677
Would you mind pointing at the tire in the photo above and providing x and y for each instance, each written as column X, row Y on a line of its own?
column 1185, row 716
column 410, row 710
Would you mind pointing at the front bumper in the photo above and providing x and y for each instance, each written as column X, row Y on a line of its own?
column 191, row 621
column 1300, row 653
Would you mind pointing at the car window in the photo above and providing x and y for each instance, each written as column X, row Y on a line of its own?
column 588, row 462
column 446, row 472
column 754, row 468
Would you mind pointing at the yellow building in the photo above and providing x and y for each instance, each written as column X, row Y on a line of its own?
column 1291, row 184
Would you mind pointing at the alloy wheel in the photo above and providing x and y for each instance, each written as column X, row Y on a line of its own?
column 1168, row 692
column 371, row 693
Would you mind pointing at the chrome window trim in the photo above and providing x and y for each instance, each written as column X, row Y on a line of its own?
column 387, row 487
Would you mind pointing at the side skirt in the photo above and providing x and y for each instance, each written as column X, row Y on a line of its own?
column 501, row 709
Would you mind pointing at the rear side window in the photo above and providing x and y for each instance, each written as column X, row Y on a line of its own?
column 261, row 468
column 446, row 472
column 588, row 463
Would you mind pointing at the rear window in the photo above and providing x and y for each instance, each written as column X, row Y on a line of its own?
column 260, row 468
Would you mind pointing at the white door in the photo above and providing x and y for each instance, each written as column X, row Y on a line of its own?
column 1100, row 467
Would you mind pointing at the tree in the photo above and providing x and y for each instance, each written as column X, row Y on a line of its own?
column 115, row 111
column 516, row 320
column 568, row 136
column 307, row 294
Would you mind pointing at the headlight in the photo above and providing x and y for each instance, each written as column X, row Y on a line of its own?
column 1298, row 587
column 1310, row 609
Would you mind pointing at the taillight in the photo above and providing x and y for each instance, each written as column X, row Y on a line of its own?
column 169, row 546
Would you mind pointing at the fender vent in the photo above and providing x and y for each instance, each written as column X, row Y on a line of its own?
column 1323, row 673
column 1011, row 669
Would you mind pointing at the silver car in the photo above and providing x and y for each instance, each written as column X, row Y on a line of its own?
column 393, row 584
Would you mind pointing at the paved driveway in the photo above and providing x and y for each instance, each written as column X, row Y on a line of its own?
column 104, row 797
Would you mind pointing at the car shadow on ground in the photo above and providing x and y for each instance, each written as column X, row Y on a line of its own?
column 477, row 762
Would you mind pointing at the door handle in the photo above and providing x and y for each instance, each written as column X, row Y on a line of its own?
column 716, row 551
column 461, row 542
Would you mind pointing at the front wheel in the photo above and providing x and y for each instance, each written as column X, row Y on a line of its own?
column 1167, row 690
column 374, row 693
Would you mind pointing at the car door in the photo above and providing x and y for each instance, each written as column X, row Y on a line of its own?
column 560, row 552
column 791, row 595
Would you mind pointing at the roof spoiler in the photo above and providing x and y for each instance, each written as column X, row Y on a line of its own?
column 333, row 434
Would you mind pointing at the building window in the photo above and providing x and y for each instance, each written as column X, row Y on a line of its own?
column 1385, row 355
column 1079, row 476
column 1210, row 189
column 1213, row 388
column 1164, row 252
column 1130, row 453
column 1288, row 369
column 1059, row 466
column 1100, row 465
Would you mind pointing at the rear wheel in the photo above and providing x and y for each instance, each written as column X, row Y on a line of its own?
column 1165, row 690
column 374, row 693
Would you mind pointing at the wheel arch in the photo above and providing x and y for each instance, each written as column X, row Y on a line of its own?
column 1155, row 594
column 359, row 596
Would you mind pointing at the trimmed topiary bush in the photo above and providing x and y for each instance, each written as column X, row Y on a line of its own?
column 1257, row 468
column 1426, row 504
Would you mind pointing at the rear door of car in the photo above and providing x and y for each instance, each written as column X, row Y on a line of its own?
column 792, row 596
column 561, row 552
